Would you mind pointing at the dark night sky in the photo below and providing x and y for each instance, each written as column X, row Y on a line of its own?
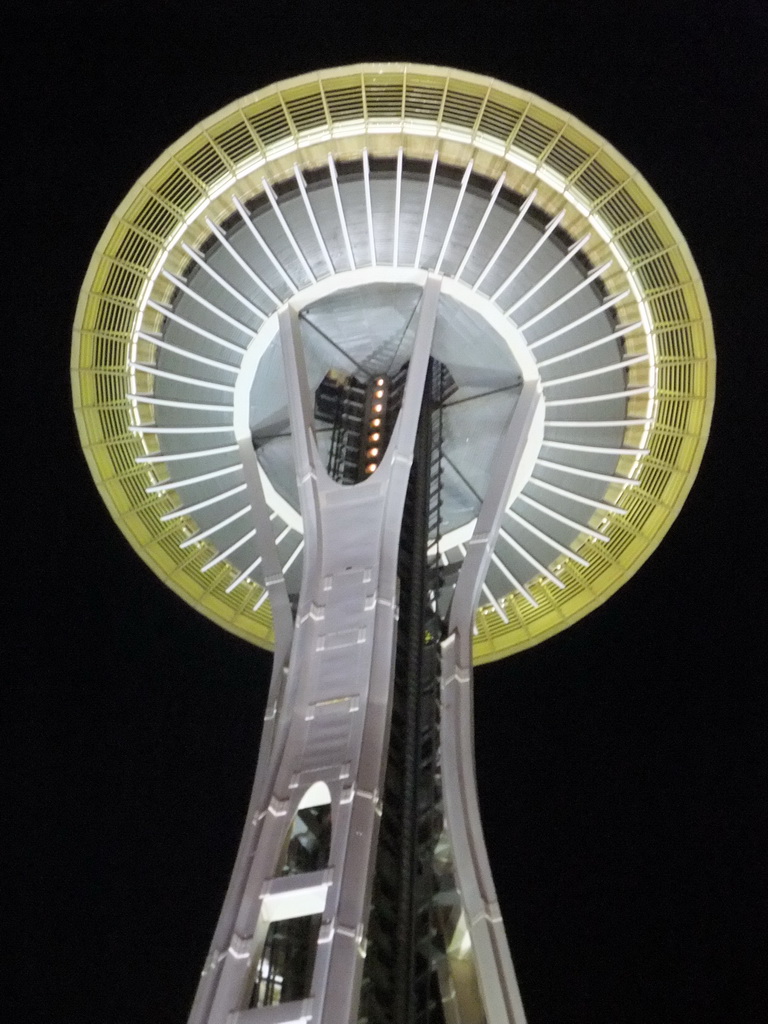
column 619, row 764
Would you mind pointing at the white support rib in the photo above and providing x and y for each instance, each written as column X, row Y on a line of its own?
column 618, row 333
column 283, row 534
column 554, row 544
column 225, row 284
column 596, row 449
column 261, row 600
column 610, row 301
column 296, row 552
column 528, row 256
column 398, row 191
column 243, row 263
column 202, row 534
column 173, row 403
column 594, row 534
column 246, row 219
column 202, row 504
column 243, row 575
column 531, row 559
column 454, row 215
column 574, row 249
column 487, row 590
column 425, row 214
column 184, row 353
column 599, row 371
column 268, row 191
column 502, row 245
column 312, row 218
column 497, row 607
column 590, row 474
column 479, row 230
column 173, row 485
column 178, row 456
column 568, row 295
column 152, row 428
column 340, row 210
column 628, row 393
column 369, row 207
column 226, row 553
column 196, row 382
column 182, row 285
column 517, row 585
column 574, row 496
column 171, row 315
column 576, row 424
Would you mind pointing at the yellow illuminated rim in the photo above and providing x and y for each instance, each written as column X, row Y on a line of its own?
column 382, row 107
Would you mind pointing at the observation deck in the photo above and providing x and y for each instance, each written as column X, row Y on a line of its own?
column 342, row 189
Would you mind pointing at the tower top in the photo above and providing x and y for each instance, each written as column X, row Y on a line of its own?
column 340, row 192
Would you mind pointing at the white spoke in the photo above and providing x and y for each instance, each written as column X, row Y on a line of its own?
column 597, row 372
column 629, row 393
column 454, row 216
column 216, row 526
column 182, row 285
column 556, row 545
column 398, row 190
column 514, row 581
column 562, row 519
column 425, row 214
column 186, row 354
column 499, row 610
column 171, row 315
column 152, row 428
column 619, row 333
column 479, row 230
column 597, row 449
column 312, row 219
column 243, row 575
column 502, row 245
column 173, row 485
column 225, row 554
column 574, row 249
column 340, row 210
column 225, row 284
column 528, row 256
column 294, row 556
column 178, row 456
column 568, row 295
column 588, row 473
column 566, row 493
column 176, row 404
column 202, row 504
column 196, row 382
column 283, row 535
column 530, row 559
column 368, row 206
column 576, row 424
column 610, row 301
column 286, row 229
column 246, row 219
column 261, row 600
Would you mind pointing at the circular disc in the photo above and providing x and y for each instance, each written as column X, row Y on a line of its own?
column 340, row 190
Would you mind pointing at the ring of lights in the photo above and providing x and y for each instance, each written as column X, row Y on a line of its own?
column 428, row 114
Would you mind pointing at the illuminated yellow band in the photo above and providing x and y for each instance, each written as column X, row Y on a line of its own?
column 422, row 109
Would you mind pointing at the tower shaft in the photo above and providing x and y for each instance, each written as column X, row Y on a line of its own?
column 351, row 744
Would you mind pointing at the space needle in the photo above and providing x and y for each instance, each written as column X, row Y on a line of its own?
column 392, row 370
